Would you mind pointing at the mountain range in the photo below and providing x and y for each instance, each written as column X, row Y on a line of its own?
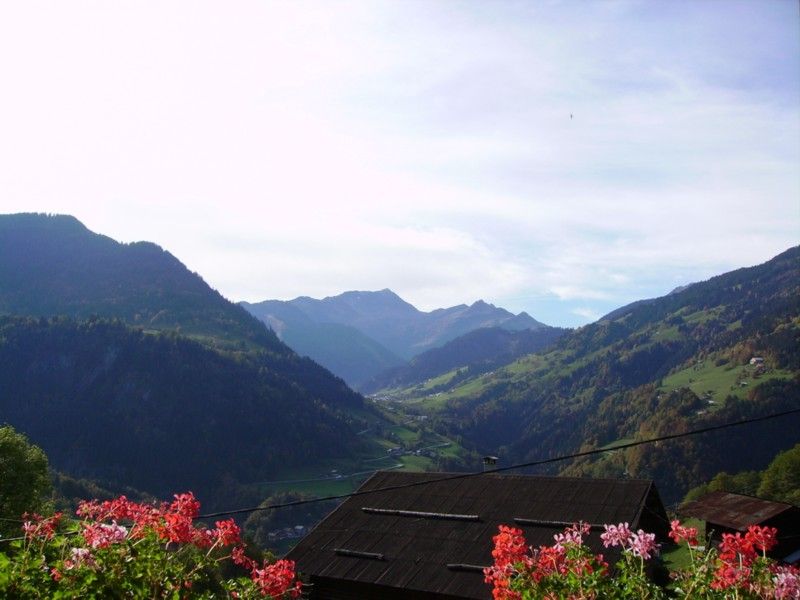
column 125, row 366
column 716, row 351
column 358, row 334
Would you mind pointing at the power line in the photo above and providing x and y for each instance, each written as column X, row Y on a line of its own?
column 458, row 476
column 503, row 469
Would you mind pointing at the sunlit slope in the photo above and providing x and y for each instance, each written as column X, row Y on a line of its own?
column 678, row 361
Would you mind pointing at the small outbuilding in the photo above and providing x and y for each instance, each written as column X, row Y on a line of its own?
column 726, row 512
column 428, row 536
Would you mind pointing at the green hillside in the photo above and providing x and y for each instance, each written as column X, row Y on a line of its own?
column 680, row 361
column 474, row 353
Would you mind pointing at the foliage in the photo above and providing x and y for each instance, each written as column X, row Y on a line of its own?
column 153, row 411
column 24, row 480
column 569, row 568
column 780, row 481
column 261, row 522
column 605, row 382
column 478, row 351
column 157, row 553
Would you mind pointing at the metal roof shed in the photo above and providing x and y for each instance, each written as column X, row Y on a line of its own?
column 726, row 512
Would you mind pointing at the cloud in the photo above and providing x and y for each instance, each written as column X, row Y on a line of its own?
column 304, row 148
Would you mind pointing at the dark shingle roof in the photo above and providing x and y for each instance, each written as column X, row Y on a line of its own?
column 394, row 546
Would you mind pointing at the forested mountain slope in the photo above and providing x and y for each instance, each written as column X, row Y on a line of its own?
column 162, row 413
column 53, row 265
column 179, row 388
column 678, row 362
column 471, row 354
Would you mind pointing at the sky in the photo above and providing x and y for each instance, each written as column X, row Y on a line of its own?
column 558, row 157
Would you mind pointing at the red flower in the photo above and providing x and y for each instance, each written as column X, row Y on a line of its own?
column 227, row 532
column 37, row 526
column 761, row 538
column 185, row 505
column 680, row 533
column 277, row 579
column 238, row 557
column 509, row 546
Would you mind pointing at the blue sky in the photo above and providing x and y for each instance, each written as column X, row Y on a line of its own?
column 308, row 148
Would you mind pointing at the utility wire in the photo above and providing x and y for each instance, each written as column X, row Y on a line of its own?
column 458, row 476
column 503, row 469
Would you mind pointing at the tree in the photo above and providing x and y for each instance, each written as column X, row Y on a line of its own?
column 24, row 479
column 781, row 480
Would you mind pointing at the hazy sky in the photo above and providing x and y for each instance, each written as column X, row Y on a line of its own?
column 562, row 158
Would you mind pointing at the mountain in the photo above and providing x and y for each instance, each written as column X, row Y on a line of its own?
column 397, row 330
column 53, row 265
column 473, row 353
column 343, row 349
column 125, row 366
column 624, row 310
column 671, row 364
column 163, row 413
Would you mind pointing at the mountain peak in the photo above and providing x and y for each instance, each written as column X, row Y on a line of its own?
column 482, row 304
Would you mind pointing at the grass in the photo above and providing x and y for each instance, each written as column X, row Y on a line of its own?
column 416, row 463
column 703, row 316
column 677, row 558
column 439, row 380
column 405, row 435
column 615, row 443
column 668, row 334
column 318, row 489
column 719, row 381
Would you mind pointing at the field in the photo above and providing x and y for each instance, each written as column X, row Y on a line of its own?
column 706, row 379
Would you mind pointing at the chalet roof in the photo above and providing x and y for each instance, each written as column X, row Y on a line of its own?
column 433, row 538
column 735, row 511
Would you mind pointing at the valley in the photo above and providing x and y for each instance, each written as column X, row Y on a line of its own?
column 128, row 369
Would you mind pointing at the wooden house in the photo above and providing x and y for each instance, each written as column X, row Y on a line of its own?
column 407, row 535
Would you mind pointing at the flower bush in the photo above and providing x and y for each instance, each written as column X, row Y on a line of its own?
column 124, row 549
column 568, row 569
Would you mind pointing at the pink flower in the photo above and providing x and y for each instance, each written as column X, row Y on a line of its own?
column 101, row 535
column 80, row 557
column 643, row 544
column 787, row 583
column 572, row 535
column 616, row 535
